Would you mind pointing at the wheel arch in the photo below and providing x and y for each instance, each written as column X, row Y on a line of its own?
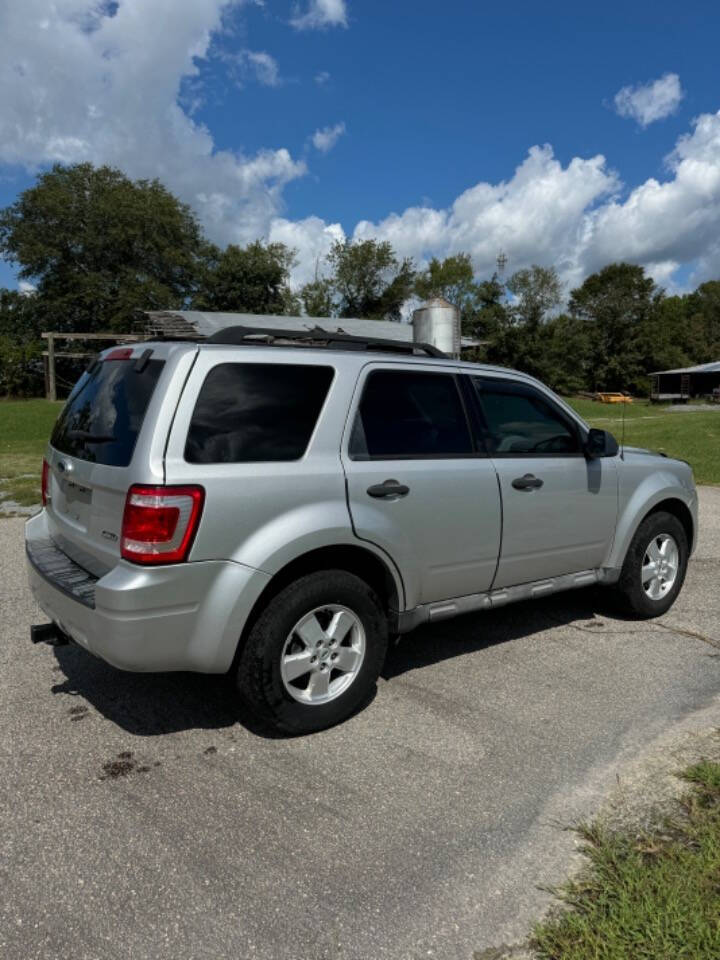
column 377, row 572
column 681, row 511
column 668, row 502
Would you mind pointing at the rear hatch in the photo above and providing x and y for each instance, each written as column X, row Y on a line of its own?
column 102, row 443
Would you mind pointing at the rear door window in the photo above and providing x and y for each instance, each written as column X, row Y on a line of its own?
column 256, row 412
column 410, row 415
column 104, row 413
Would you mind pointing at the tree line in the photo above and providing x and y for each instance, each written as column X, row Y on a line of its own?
column 97, row 248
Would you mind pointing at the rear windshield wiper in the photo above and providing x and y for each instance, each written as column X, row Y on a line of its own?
column 90, row 437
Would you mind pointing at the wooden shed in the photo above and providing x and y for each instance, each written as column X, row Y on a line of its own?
column 686, row 383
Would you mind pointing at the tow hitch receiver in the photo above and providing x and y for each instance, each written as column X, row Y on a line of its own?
column 48, row 633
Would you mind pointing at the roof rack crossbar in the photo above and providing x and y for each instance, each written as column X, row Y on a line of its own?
column 319, row 336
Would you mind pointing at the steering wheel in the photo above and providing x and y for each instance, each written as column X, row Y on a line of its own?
column 554, row 444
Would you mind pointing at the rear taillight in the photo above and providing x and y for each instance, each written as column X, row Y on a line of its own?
column 160, row 523
column 44, row 483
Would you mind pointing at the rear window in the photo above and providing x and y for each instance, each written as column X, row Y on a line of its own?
column 256, row 412
column 105, row 411
column 411, row 415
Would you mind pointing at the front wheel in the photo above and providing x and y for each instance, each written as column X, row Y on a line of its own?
column 655, row 565
column 315, row 652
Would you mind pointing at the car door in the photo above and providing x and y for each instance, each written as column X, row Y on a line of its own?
column 559, row 508
column 418, row 486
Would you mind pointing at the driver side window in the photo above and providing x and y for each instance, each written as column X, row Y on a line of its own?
column 519, row 421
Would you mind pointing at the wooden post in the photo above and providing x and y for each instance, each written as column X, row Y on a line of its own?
column 51, row 355
column 52, row 393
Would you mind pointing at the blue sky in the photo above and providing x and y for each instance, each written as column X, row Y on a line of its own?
column 429, row 100
column 437, row 96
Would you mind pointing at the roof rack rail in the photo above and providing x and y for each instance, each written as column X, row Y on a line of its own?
column 316, row 336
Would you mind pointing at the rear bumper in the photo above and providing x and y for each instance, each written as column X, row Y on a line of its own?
column 187, row 616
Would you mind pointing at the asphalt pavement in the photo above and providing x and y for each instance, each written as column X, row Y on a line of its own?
column 143, row 818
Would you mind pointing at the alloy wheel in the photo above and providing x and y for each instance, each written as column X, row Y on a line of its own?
column 323, row 654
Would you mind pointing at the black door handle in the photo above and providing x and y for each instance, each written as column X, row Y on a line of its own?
column 390, row 488
column 528, row 482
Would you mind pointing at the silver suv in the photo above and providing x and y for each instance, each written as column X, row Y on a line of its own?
column 277, row 509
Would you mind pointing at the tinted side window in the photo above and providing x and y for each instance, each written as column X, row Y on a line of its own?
column 520, row 421
column 104, row 413
column 253, row 412
column 406, row 414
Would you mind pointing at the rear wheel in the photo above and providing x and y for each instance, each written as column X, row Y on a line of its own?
column 655, row 565
column 315, row 652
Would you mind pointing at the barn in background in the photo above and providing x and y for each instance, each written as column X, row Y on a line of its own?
column 686, row 383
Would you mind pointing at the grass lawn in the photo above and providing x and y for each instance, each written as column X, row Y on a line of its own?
column 692, row 435
column 650, row 895
column 25, row 426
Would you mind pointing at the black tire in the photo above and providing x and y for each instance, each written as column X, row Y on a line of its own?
column 633, row 597
column 259, row 678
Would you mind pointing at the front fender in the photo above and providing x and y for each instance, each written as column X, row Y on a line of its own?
column 638, row 497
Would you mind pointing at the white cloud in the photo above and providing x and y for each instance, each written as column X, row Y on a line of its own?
column 265, row 67
column 578, row 217
column 650, row 101
column 88, row 86
column 325, row 139
column 322, row 78
column 320, row 14
column 541, row 215
column 311, row 238
column 676, row 221
column 81, row 85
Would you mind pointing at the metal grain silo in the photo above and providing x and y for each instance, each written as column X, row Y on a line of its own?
column 438, row 322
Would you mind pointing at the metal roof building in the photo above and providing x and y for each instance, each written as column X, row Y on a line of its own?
column 436, row 322
column 686, row 382
column 198, row 323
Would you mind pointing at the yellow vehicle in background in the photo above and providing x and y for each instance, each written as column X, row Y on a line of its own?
column 613, row 398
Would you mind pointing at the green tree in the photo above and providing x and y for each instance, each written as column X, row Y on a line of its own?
column 368, row 280
column 99, row 246
column 538, row 291
column 481, row 304
column 702, row 312
column 564, row 354
column 520, row 338
column 453, row 279
column 21, row 365
column 20, row 316
column 674, row 338
column 251, row 279
column 491, row 313
column 317, row 297
column 620, row 307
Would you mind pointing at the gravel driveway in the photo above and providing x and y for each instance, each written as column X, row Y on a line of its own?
column 142, row 819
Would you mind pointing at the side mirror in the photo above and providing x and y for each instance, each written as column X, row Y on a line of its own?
column 600, row 443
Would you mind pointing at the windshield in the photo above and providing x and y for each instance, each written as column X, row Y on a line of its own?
column 105, row 411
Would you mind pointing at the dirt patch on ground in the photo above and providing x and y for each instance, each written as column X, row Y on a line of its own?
column 123, row 765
